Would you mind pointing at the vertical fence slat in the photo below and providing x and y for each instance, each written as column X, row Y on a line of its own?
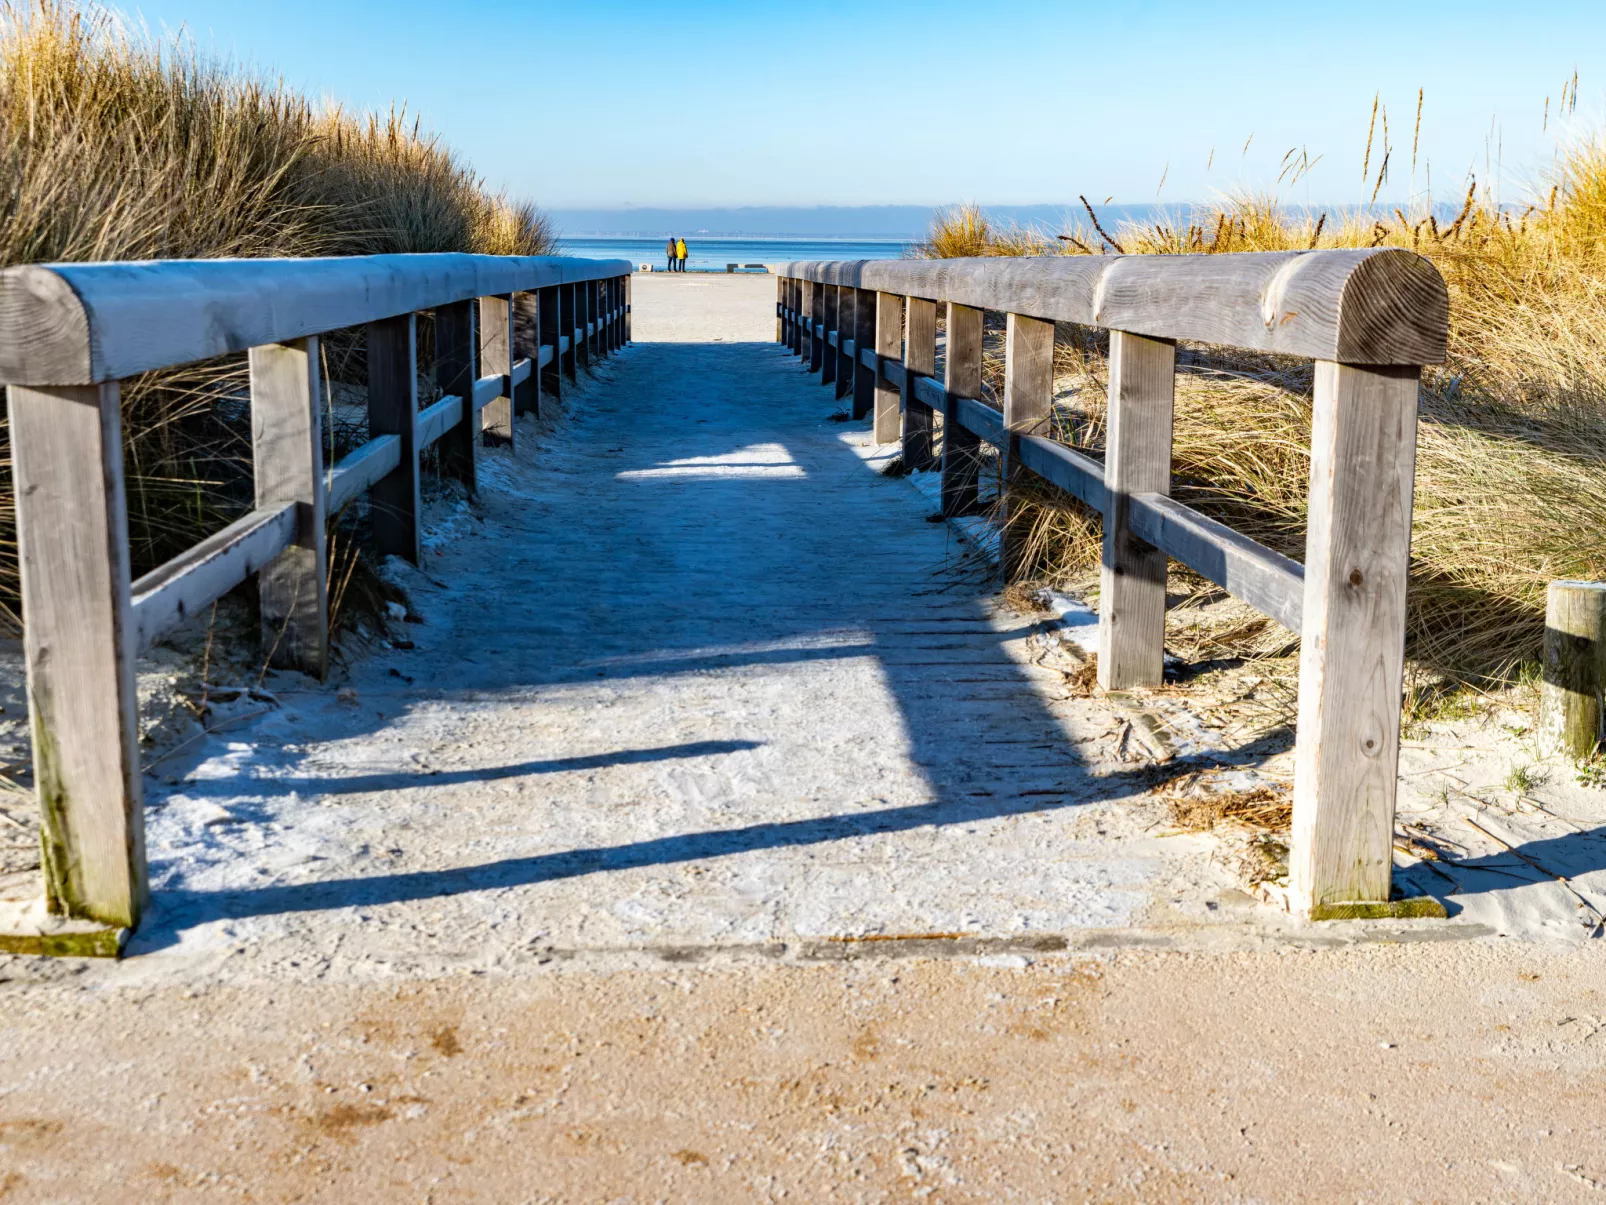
column 1137, row 460
column 628, row 281
column 548, row 308
column 888, row 346
column 286, row 399
column 496, row 354
column 961, row 447
column 72, row 533
column 846, row 323
column 571, row 357
column 455, row 372
column 816, row 311
column 1351, row 658
column 393, row 410
column 864, row 339
column 527, row 346
column 1028, row 403
column 797, row 343
column 829, row 353
column 919, row 357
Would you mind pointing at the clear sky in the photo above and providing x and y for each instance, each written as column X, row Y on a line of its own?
column 708, row 102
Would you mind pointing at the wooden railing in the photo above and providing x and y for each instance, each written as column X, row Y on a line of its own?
column 1369, row 318
column 70, row 332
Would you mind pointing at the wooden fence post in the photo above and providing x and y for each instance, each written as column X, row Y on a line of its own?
column 455, row 372
column 1028, row 405
column 780, row 309
column 816, row 312
column 919, row 359
column 72, row 536
column 1572, row 720
column 627, row 310
column 864, row 328
column 496, row 355
column 571, row 361
column 393, row 410
column 793, row 330
column 527, row 346
column 888, row 346
column 1352, row 646
column 833, row 303
column 1137, row 460
column 286, row 398
column 846, row 299
column 961, row 447
column 582, row 316
column 797, row 343
column 548, row 314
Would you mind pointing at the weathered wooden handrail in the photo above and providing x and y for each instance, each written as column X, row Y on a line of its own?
column 1369, row 318
column 70, row 332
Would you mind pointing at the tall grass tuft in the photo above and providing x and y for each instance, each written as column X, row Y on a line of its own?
column 117, row 145
column 1511, row 463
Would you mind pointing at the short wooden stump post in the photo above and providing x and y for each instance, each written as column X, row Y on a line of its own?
column 1572, row 717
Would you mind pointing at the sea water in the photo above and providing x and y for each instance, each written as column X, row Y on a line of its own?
column 711, row 254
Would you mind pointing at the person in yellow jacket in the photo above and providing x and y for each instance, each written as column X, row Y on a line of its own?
column 680, row 252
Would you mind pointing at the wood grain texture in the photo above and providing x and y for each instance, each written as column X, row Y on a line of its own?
column 360, row 469
column 393, row 410
column 286, row 401
column 847, row 301
column 1357, row 549
column 189, row 584
column 1244, row 568
column 527, row 350
column 566, row 321
column 961, row 450
column 1065, row 467
column 1378, row 305
column 78, row 323
column 815, row 308
column 456, row 371
column 888, row 347
column 496, row 359
column 1137, row 460
column 72, row 535
column 437, row 419
column 549, row 318
column 864, row 339
column 828, row 364
column 1028, row 404
column 584, row 310
column 1572, row 719
column 919, row 356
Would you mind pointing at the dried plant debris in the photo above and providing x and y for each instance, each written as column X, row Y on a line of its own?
column 1199, row 805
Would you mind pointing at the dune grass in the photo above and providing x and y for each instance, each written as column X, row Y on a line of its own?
column 1511, row 462
column 118, row 145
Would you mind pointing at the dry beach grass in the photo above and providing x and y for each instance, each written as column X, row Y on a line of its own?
column 117, row 145
column 1512, row 446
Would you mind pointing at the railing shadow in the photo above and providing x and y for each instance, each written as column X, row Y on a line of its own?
column 722, row 570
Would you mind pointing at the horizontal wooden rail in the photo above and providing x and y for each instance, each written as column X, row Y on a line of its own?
column 187, row 585
column 1369, row 318
column 169, row 312
column 70, row 332
column 1371, row 306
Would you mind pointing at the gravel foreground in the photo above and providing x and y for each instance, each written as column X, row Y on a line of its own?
column 439, row 944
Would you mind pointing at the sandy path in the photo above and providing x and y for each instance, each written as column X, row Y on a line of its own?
column 551, row 906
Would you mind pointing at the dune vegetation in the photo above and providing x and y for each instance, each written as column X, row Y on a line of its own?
column 121, row 145
column 1511, row 463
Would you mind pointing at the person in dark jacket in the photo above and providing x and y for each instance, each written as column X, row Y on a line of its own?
column 669, row 250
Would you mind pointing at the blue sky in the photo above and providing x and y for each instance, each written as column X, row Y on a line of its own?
column 713, row 103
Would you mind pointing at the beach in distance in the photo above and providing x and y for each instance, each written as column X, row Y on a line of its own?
column 711, row 254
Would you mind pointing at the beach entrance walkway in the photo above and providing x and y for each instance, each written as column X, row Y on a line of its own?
column 693, row 676
column 560, row 903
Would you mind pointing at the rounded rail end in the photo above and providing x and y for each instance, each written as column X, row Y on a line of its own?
column 44, row 330
column 1395, row 309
